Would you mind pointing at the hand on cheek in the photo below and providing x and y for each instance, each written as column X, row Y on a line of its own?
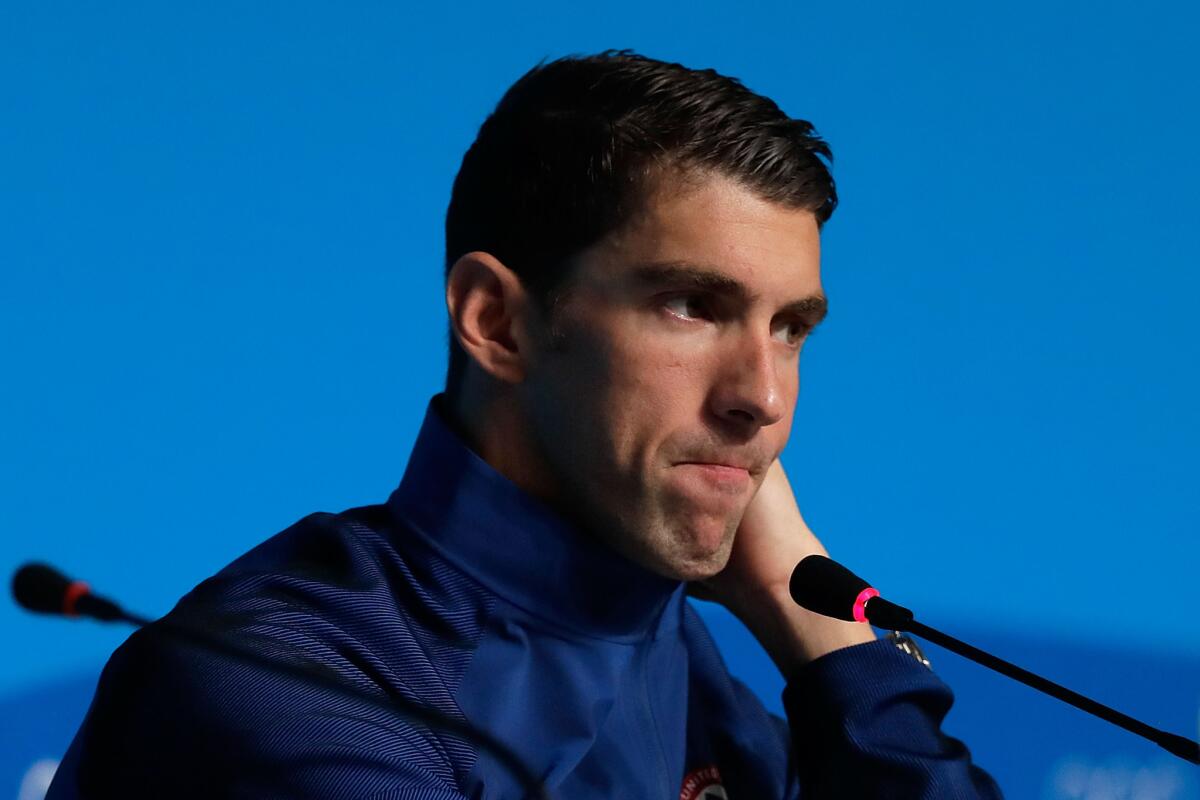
column 771, row 539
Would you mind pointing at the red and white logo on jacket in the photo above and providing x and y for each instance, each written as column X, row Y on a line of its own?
column 703, row 784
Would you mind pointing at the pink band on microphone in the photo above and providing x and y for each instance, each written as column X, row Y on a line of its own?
column 76, row 590
column 860, row 603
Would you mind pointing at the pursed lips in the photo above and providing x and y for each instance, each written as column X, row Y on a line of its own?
column 713, row 480
column 722, row 464
column 729, row 467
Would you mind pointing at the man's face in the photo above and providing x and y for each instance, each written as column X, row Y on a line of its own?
column 678, row 346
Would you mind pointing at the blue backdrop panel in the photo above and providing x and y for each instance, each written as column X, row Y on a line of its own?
column 220, row 303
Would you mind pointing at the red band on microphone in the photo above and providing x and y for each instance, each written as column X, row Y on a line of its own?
column 860, row 603
column 75, row 590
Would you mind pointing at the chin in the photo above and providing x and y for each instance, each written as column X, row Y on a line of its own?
column 696, row 572
column 697, row 566
column 687, row 552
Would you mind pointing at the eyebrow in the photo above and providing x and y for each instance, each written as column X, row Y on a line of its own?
column 685, row 274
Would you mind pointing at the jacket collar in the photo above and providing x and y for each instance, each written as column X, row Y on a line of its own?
column 522, row 550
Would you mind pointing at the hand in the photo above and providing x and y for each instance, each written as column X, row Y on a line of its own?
column 770, row 541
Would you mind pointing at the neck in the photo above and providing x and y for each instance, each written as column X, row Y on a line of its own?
column 495, row 426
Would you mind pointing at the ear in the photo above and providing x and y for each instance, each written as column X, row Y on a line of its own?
column 487, row 306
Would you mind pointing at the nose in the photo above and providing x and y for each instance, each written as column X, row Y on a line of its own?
column 755, row 384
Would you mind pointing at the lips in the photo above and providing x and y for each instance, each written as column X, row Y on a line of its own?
column 724, row 479
column 730, row 468
column 731, row 464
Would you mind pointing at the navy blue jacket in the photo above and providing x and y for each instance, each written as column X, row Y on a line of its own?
column 278, row 677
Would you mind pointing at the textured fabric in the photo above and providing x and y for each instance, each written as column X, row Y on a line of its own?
column 284, row 675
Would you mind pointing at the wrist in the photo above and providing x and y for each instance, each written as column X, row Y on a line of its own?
column 794, row 636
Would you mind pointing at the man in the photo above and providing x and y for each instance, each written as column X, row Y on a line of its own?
column 632, row 270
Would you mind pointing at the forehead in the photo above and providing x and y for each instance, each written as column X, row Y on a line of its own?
column 719, row 223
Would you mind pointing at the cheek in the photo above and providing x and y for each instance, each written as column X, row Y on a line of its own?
column 654, row 392
column 575, row 399
column 621, row 388
column 661, row 392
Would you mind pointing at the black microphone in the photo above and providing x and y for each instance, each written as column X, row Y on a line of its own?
column 825, row 587
column 42, row 588
column 822, row 585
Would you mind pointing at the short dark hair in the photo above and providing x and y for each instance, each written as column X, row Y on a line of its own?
column 569, row 153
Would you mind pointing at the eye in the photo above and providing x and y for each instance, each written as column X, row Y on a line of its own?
column 795, row 331
column 685, row 304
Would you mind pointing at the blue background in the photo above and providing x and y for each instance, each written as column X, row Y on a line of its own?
column 220, row 303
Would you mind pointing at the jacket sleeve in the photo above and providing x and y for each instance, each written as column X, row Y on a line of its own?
column 171, row 719
column 865, row 723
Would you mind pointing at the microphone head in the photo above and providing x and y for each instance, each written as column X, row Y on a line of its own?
column 40, row 587
column 824, row 586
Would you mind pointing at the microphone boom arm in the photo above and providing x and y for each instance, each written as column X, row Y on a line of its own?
column 1185, row 748
column 823, row 586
